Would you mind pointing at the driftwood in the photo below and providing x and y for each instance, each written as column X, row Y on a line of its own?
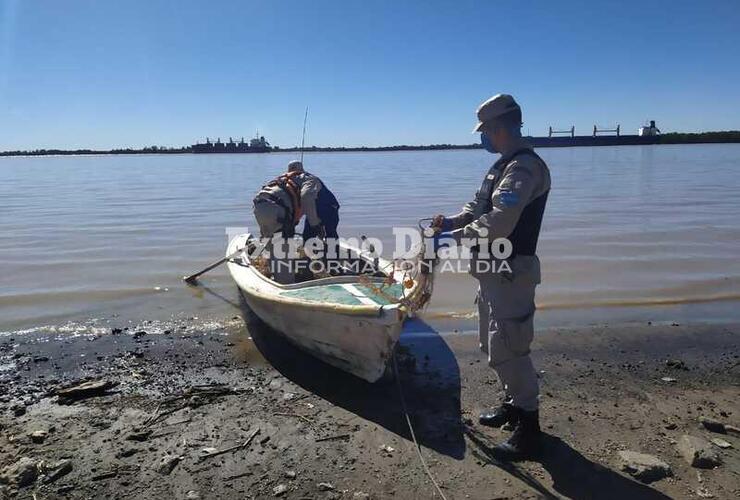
column 198, row 395
column 89, row 389
column 332, row 438
column 232, row 448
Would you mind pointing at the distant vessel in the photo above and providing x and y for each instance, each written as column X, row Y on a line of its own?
column 648, row 130
column 256, row 145
column 647, row 134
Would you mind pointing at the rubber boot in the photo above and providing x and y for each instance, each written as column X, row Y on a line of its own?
column 504, row 414
column 526, row 440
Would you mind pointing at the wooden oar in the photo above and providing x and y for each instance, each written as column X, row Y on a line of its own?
column 193, row 278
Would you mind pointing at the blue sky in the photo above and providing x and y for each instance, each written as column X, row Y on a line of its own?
column 108, row 74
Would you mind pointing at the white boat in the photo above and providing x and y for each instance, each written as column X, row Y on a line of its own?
column 351, row 322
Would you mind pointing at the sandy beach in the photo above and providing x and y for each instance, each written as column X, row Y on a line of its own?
column 236, row 412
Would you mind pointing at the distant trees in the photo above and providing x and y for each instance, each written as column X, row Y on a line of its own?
column 261, row 144
column 701, row 137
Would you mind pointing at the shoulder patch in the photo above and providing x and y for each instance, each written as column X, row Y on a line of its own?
column 509, row 198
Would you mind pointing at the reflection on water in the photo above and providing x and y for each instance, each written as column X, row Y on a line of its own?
column 84, row 237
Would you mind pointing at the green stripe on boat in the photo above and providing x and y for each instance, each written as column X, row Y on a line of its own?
column 339, row 294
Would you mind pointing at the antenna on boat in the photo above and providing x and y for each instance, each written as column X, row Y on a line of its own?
column 303, row 138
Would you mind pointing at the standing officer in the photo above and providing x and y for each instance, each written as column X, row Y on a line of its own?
column 509, row 204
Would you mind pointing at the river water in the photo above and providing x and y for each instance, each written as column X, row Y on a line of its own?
column 631, row 233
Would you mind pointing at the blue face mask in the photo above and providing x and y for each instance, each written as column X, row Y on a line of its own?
column 486, row 142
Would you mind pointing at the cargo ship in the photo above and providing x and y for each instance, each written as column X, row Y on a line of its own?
column 646, row 134
column 256, row 145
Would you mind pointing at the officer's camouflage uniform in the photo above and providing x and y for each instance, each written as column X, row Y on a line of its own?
column 509, row 204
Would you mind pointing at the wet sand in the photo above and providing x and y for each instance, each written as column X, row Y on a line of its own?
column 239, row 413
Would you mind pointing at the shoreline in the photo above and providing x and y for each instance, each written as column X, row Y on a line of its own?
column 538, row 142
column 323, row 434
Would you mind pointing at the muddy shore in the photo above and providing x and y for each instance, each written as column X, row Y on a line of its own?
column 237, row 412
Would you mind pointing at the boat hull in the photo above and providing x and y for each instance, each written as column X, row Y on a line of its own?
column 358, row 340
column 358, row 345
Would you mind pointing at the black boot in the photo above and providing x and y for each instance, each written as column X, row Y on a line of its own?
column 498, row 416
column 526, row 440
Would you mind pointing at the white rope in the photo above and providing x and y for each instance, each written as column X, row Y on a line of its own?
column 411, row 429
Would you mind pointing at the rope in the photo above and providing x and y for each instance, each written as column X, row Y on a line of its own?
column 425, row 280
column 417, row 447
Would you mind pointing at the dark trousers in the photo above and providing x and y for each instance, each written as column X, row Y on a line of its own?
column 330, row 221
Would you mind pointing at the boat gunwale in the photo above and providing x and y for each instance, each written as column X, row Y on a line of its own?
column 359, row 309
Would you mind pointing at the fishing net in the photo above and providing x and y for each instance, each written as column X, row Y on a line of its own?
column 417, row 278
column 414, row 273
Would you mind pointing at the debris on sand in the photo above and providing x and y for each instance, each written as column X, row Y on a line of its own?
column 167, row 464
column 676, row 364
column 325, row 487
column 60, row 470
column 644, row 467
column 22, row 473
column 731, row 429
column 127, row 452
column 698, row 452
column 721, row 443
column 279, row 490
column 387, row 450
column 713, row 425
column 38, row 437
column 104, row 475
column 243, row 445
column 333, row 438
column 89, row 389
column 138, row 435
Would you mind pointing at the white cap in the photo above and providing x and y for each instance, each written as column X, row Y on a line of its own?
column 498, row 105
column 295, row 166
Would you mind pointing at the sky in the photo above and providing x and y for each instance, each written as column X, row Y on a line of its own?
column 101, row 74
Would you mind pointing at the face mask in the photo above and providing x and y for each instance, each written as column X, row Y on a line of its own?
column 486, row 142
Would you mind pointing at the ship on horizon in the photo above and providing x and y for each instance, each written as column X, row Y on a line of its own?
column 256, row 145
column 601, row 136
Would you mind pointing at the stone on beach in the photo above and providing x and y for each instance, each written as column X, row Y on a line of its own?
column 676, row 364
column 127, row 452
column 698, row 452
column 712, row 424
column 721, row 443
column 38, row 437
column 21, row 473
column 644, row 467
column 138, row 435
column 84, row 390
column 62, row 469
column 167, row 464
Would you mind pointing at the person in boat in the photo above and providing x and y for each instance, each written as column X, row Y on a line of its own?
column 509, row 204
column 280, row 204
